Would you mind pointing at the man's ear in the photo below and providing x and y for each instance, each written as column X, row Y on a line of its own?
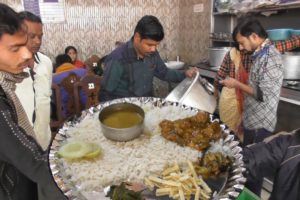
column 137, row 37
column 254, row 36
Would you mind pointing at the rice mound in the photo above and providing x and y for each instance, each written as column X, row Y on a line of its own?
column 127, row 161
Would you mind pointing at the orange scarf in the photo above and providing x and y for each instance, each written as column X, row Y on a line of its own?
column 64, row 68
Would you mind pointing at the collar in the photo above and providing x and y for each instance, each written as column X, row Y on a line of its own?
column 131, row 50
column 262, row 49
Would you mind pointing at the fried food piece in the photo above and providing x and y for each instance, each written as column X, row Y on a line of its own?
column 196, row 131
column 213, row 164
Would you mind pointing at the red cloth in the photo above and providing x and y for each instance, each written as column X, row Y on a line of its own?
column 242, row 76
column 79, row 64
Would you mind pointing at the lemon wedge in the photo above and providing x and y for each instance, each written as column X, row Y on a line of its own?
column 74, row 150
column 95, row 151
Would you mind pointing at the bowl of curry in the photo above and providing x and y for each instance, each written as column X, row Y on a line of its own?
column 122, row 121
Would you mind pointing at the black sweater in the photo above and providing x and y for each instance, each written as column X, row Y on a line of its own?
column 279, row 155
column 23, row 164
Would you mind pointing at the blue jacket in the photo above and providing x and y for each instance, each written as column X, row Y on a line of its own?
column 126, row 75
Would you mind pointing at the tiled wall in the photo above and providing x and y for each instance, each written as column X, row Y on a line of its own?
column 93, row 26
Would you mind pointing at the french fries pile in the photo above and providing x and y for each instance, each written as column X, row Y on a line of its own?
column 179, row 185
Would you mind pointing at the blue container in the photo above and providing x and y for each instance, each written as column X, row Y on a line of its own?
column 295, row 32
column 279, row 34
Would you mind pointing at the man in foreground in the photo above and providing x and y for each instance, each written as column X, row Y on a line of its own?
column 23, row 163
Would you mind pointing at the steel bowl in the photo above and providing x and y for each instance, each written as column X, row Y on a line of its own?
column 122, row 134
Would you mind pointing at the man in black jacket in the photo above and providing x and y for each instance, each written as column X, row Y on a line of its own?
column 23, row 163
column 279, row 155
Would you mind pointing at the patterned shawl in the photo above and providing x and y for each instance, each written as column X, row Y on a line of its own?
column 8, row 83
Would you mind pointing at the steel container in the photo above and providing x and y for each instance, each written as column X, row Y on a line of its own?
column 216, row 55
column 196, row 93
column 121, row 134
column 291, row 65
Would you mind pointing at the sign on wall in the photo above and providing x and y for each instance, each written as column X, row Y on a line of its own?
column 51, row 11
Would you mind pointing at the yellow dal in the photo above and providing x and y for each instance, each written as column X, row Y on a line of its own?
column 122, row 119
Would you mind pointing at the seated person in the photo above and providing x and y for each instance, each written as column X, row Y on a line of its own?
column 98, row 70
column 63, row 69
column 63, row 63
column 72, row 52
column 91, row 63
column 129, row 69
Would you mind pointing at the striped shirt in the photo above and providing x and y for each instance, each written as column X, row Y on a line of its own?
column 227, row 67
column 265, row 77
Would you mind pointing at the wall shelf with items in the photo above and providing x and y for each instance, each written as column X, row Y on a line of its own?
column 224, row 13
column 262, row 9
column 284, row 16
column 221, row 40
column 278, row 7
column 222, row 24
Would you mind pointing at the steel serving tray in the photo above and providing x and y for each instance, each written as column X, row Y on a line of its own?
column 227, row 187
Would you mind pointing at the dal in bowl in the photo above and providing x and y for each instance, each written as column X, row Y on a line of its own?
column 122, row 121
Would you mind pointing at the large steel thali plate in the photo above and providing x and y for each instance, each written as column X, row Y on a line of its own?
column 227, row 186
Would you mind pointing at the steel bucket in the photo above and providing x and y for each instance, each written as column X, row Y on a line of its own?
column 216, row 55
column 291, row 65
column 196, row 92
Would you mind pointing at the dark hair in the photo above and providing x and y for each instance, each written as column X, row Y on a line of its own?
column 101, row 60
column 61, row 59
column 149, row 27
column 10, row 22
column 25, row 15
column 248, row 25
column 68, row 48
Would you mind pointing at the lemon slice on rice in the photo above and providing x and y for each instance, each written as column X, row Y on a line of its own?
column 95, row 151
column 74, row 150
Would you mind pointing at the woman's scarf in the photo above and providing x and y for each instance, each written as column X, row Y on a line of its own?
column 8, row 83
column 64, row 68
column 242, row 76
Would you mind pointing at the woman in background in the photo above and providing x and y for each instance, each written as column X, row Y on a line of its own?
column 72, row 52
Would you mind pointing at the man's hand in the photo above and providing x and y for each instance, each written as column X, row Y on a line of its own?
column 230, row 83
column 233, row 83
column 191, row 72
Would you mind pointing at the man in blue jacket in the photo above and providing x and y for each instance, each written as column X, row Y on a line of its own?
column 129, row 69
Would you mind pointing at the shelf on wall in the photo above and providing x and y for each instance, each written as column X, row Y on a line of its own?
column 220, row 40
column 287, row 6
column 294, row 5
column 224, row 13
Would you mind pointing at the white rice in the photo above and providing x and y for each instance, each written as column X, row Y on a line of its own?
column 132, row 160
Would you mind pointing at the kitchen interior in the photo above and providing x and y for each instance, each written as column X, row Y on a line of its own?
column 273, row 17
column 197, row 32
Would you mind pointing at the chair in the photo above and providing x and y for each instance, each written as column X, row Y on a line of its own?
column 63, row 100
column 57, row 118
column 90, row 86
column 68, row 84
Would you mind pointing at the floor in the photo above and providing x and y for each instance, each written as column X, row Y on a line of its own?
column 265, row 195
